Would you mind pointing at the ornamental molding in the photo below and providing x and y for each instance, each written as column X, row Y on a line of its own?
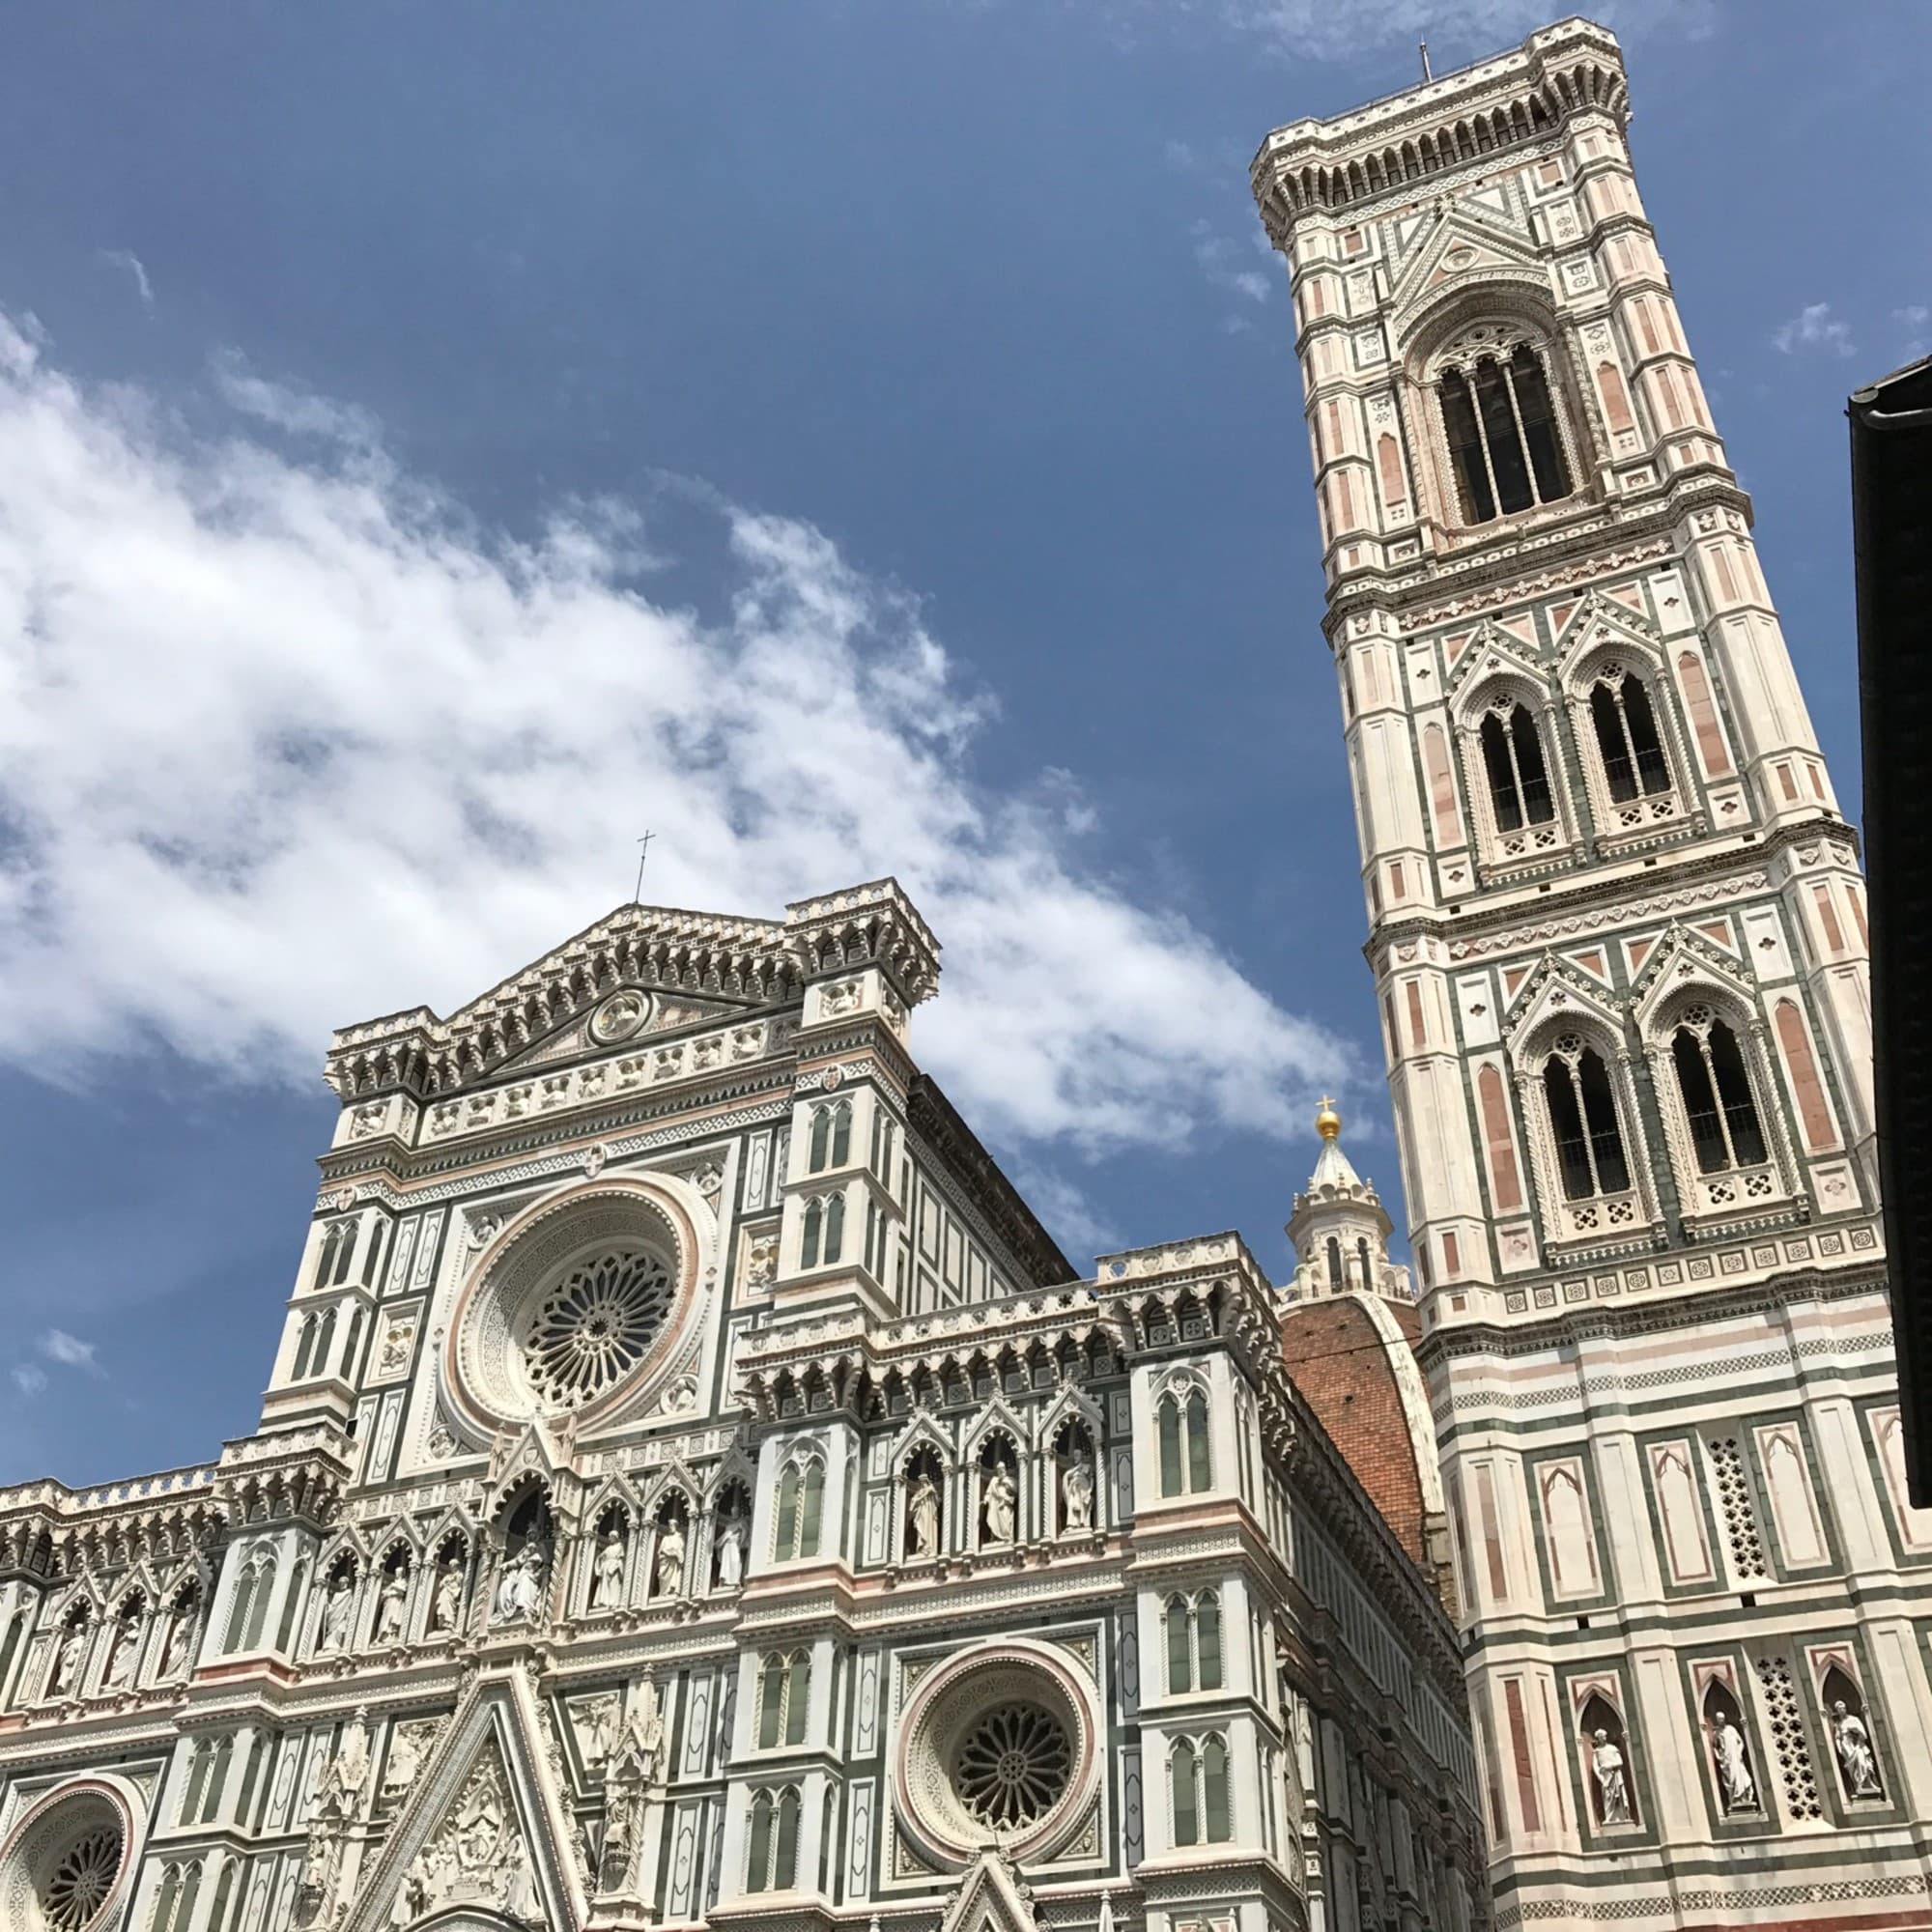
column 475, row 1182
column 1695, row 1305
column 1614, row 915
column 748, row 964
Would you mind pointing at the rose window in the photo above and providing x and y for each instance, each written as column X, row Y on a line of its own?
column 1001, row 1742
column 1013, row 1767
column 594, row 1327
column 78, row 1887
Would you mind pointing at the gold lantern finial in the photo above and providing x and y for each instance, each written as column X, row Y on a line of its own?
column 1327, row 1122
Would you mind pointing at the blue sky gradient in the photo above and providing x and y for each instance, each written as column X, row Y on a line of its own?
column 841, row 335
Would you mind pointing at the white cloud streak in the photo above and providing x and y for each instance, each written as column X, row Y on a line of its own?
column 285, row 743
column 1814, row 326
column 129, row 263
column 69, row 1350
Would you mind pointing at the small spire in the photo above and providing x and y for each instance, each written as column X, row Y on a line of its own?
column 1327, row 1122
column 1428, row 72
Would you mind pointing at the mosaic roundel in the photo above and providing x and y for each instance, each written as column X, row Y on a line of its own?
column 580, row 1306
column 999, row 1742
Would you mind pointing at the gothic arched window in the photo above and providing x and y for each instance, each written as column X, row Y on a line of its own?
column 831, row 1141
column 1335, row 1280
column 784, row 1685
column 1193, row 1627
column 1628, row 741
column 801, row 1505
column 1500, row 426
column 1182, row 1428
column 1719, row 1105
column 1518, row 774
column 771, row 1861
column 1583, row 1121
column 1197, row 1777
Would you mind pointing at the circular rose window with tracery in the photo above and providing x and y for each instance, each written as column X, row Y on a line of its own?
column 582, row 1306
column 64, row 1868
column 596, row 1325
column 78, row 1885
column 1014, row 1766
column 999, row 1744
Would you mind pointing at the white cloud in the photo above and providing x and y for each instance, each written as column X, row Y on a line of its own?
column 127, row 259
column 29, row 1377
column 299, row 411
column 69, row 1350
column 1914, row 316
column 1813, row 328
column 286, row 743
column 1219, row 257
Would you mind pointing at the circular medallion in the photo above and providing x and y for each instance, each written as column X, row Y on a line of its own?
column 79, row 1883
column 582, row 1305
column 63, row 1867
column 1000, row 1740
column 1012, row 1766
column 594, row 1326
column 620, row 1016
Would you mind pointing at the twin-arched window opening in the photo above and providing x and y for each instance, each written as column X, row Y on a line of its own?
column 771, row 1861
column 175, row 1899
column 250, row 1611
column 831, row 1141
column 1500, row 426
column 207, row 1773
column 1719, row 1105
column 1197, row 1777
column 1628, row 740
column 1583, row 1121
column 1182, row 1425
column 801, row 1506
column 823, row 1236
column 1518, row 772
column 785, row 1690
column 1193, row 1627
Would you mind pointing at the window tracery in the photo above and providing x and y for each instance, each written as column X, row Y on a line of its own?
column 1198, row 1786
column 1181, row 1426
column 1499, row 422
column 785, row 1690
column 801, row 1504
column 1709, row 1066
column 1193, row 1632
column 771, row 1860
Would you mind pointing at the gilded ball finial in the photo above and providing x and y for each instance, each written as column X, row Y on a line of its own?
column 1327, row 1122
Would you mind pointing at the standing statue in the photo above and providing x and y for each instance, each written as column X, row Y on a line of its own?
column 446, row 1602
column 1735, row 1781
column 1857, row 1759
column 923, row 1517
column 1613, row 1805
column 122, row 1649
column 671, row 1560
column 1076, row 1496
column 999, row 1498
column 335, row 1606
column 730, row 1553
column 606, row 1583
column 176, row 1644
column 392, row 1604
column 65, row 1673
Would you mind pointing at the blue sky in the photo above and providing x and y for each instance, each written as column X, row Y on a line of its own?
column 844, row 435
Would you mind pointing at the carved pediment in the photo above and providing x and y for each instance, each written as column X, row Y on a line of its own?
column 484, row 1832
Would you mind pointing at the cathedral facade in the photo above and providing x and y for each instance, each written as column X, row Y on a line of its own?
column 1618, row 934
column 692, row 1489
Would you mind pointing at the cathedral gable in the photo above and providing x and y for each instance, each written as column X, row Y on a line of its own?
column 484, row 1828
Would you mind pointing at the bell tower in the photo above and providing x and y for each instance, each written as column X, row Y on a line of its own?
column 1618, row 935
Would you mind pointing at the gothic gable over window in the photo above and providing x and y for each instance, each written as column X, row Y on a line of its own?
column 1494, row 395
